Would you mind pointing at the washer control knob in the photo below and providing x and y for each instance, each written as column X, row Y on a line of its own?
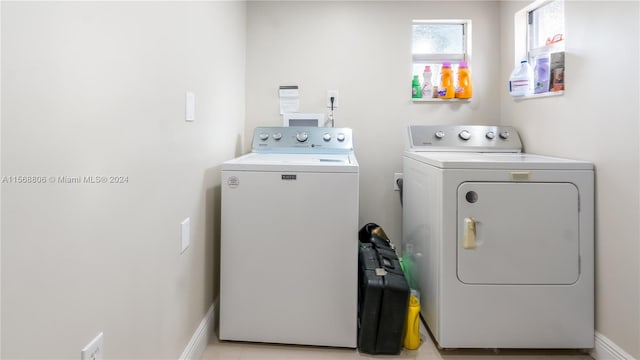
column 277, row 136
column 491, row 135
column 439, row 134
column 504, row 135
column 302, row 136
column 465, row 135
column 263, row 136
column 326, row 137
column 340, row 137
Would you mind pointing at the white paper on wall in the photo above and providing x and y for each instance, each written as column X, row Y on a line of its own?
column 289, row 99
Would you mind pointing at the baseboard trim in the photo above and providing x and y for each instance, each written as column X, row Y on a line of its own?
column 606, row 349
column 200, row 339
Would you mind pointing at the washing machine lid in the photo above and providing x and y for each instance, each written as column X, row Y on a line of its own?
column 498, row 161
column 330, row 163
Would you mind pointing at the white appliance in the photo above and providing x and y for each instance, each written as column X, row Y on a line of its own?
column 288, row 252
column 499, row 243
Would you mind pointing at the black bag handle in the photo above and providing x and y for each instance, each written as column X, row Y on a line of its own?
column 373, row 233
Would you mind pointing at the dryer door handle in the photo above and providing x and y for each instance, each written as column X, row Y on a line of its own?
column 469, row 236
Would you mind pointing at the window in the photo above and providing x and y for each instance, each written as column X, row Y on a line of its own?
column 540, row 37
column 436, row 41
column 546, row 28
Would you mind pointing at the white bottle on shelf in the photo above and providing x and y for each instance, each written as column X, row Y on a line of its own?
column 521, row 80
column 427, row 84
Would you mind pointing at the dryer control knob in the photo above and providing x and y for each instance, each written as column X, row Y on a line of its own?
column 277, row 136
column 326, row 137
column 491, row 135
column 302, row 136
column 465, row 135
column 340, row 137
column 439, row 134
column 504, row 135
column 263, row 136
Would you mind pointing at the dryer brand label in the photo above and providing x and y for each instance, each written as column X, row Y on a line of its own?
column 520, row 175
column 233, row 182
column 289, row 177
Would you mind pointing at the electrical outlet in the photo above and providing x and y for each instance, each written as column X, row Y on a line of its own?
column 93, row 350
column 396, row 177
column 334, row 94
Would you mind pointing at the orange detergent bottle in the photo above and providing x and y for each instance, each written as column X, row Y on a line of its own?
column 446, row 89
column 464, row 90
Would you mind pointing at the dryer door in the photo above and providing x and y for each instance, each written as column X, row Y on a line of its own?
column 518, row 233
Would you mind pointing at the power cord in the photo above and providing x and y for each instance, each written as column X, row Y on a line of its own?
column 332, row 100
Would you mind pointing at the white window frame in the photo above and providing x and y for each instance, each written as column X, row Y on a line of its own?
column 521, row 35
column 439, row 58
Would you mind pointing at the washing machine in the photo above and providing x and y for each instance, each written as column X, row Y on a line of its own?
column 499, row 243
column 289, row 236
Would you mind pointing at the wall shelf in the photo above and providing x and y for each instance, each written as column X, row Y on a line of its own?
column 537, row 96
column 425, row 100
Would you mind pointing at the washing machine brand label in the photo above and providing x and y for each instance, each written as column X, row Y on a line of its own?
column 289, row 177
column 233, row 182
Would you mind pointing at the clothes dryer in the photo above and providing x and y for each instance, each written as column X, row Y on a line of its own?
column 499, row 243
column 288, row 252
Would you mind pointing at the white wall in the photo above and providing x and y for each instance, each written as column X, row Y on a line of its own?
column 596, row 120
column 98, row 88
column 363, row 49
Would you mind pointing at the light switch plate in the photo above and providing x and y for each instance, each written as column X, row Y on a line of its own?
column 185, row 234
column 190, row 111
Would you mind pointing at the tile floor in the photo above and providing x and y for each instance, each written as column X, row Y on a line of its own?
column 228, row 350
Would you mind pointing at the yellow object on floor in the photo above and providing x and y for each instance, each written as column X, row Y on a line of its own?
column 412, row 335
